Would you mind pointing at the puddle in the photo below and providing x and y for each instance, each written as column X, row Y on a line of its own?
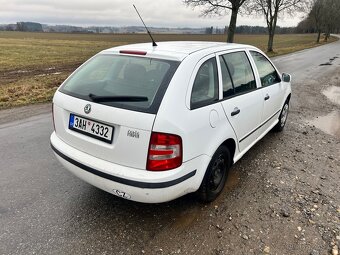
column 46, row 74
column 333, row 94
column 330, row 62
column 19, row 71
column 330, row 123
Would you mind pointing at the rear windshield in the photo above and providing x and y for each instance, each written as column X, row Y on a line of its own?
column 134, row 83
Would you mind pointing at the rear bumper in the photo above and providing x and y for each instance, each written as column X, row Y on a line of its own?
column 129, row 183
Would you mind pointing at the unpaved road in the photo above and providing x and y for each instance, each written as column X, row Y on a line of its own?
column 282, row 197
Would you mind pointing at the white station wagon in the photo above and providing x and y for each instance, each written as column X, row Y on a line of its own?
column 153, row 123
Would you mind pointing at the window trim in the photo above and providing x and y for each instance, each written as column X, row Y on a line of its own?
column 218, row 54
column 255, row 66
column 192, row 81
column 153, row 108
column 231, row 78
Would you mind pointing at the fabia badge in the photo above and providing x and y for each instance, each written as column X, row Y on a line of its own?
column 87, row 108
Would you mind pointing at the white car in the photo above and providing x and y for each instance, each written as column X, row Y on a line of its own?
column 153, row 123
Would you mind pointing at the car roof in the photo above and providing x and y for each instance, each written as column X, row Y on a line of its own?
column 176, row 50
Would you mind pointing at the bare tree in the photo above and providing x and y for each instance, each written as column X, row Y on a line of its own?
column 330, row 16
column 305, row 26
column 271, row 10
column 324, row 16
column 316, row 15
column 220, row 7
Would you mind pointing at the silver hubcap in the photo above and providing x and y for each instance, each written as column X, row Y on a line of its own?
column 284, row 114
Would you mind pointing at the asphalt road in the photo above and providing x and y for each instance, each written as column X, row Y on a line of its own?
column 46, row 210
column 306, row 64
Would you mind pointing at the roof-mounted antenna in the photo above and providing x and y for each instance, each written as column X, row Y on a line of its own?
column 153, row 41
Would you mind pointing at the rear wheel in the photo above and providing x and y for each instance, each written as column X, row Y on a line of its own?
column 283, row 118
column 215, row 176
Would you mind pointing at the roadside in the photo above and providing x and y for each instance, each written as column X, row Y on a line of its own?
column 283, row 197
column 23, row 112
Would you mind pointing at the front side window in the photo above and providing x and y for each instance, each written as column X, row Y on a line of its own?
column 239, row 68
column 128, row 82
column 205, row 88
column 267, row 72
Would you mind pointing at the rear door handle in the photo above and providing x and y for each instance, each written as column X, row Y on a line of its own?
column 266, row 97
column 235, row 112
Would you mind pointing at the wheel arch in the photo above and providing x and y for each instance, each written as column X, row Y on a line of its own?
column 231, row 145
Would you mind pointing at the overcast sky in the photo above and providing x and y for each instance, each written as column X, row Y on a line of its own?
column 161, row 13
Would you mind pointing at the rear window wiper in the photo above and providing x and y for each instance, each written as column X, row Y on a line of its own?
column 98, row 99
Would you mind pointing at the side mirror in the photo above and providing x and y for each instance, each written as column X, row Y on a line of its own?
column 286, row 77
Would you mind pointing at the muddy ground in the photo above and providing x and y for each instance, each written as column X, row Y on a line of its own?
column 10, row 76
column 282, row 197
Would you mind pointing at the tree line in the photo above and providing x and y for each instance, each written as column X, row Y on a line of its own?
column 245, row 29
column 323, row 15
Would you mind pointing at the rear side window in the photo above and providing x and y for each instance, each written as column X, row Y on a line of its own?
column 205, row 88
column 267, row 72
column 228, row 87
column 240, row 74
column 117, row 81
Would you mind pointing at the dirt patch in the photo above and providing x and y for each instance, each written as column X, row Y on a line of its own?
column 12, row 76
column 333, row 94
column 33, row 86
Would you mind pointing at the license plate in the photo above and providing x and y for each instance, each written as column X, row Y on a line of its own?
column 91, row 128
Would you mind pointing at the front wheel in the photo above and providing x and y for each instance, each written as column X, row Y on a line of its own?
column 215, row 176
column 282, row 118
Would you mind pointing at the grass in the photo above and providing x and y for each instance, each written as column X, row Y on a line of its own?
column 32, row 65
column 31, row 90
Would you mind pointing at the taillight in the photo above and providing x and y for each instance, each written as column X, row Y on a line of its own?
column 165, row 152
column 53, row 116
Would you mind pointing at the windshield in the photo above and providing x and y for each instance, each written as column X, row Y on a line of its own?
column 128, row 82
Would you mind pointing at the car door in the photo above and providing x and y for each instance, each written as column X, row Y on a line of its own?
column 206, row 113
column 242, row 101
column 272, row 89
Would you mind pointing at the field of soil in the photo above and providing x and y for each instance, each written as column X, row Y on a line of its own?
column 33, row 65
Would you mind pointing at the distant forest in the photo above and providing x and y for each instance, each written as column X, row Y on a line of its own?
column 37, row 27
column 250, row 30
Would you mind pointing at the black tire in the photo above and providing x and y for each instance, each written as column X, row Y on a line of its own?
column 215, row 176
column 282, row 118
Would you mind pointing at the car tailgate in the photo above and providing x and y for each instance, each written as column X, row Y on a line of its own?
column 131, row 134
